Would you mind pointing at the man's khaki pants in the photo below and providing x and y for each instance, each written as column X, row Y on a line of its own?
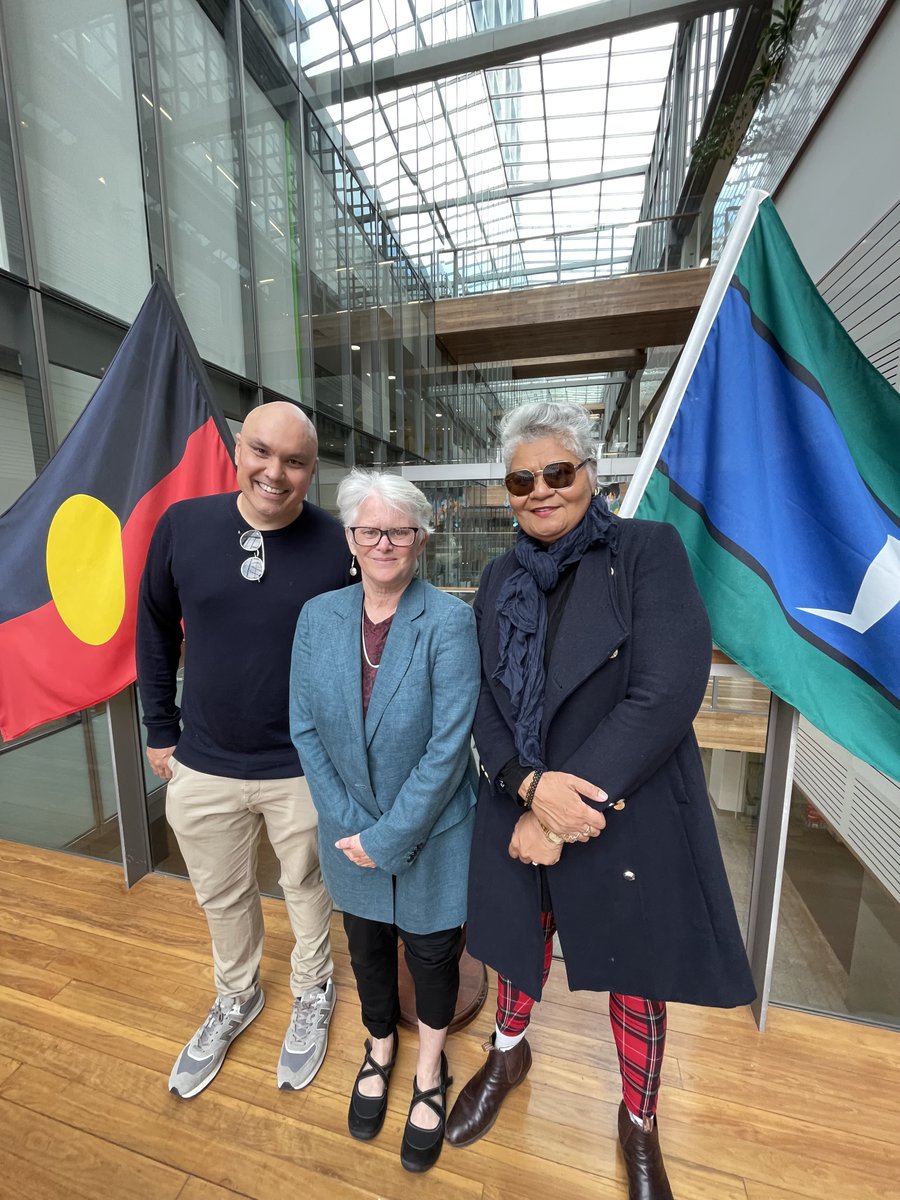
column 217, row 822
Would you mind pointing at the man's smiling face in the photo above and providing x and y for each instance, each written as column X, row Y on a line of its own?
column 275, row 457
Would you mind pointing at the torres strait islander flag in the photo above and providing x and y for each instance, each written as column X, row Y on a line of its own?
column 780, row 468
column 73, row 545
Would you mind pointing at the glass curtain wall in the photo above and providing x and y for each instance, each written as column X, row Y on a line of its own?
column 206, row 191
column 173, row 133
column 275, row 168
column 73, row 93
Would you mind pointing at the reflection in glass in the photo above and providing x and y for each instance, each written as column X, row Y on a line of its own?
column 71, row 392
column 57, row 787
column 277, row 237
column 838, row 944
column 24, row 446
column 80, row 348
column 74, row 94
column 197, row 90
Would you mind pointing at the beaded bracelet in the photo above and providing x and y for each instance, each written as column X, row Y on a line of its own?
column 532, row 788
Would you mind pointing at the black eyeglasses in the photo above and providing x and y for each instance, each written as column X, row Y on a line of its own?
column 557, row 475
column 253, row 568
column 366, row 535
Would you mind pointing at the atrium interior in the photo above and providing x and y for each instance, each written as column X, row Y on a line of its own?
column 409, row 216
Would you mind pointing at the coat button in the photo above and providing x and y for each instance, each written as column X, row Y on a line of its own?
column 615, row 653
column 629, row 875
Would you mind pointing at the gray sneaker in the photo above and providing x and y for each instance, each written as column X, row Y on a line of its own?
column 200, row 1060
column 306, row 1040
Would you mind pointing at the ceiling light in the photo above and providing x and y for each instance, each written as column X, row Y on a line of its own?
column 354, row 347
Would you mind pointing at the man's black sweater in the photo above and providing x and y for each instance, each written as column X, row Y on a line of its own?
column 238, row 633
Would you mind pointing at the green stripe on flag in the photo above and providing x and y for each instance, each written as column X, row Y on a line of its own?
column 746, row 614
column 785, row 299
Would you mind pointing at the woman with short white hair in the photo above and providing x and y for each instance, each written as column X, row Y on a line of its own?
column 384, row 683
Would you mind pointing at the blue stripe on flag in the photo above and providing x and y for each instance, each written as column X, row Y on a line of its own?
column 818, row 529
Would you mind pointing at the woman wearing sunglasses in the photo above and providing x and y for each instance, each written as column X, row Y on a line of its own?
column 384, row 682
column 592, row 818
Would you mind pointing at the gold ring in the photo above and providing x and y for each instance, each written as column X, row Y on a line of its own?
column 571, row 837
column 589, row 830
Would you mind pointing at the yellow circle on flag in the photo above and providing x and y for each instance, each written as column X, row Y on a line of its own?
column 85, row 568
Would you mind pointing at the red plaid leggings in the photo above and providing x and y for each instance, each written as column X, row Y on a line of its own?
column 639, row 1029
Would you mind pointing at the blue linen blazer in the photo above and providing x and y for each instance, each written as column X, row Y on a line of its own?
column 405, row 778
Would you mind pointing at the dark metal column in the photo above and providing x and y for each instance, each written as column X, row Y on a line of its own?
column 128, row 777
column 768, row 869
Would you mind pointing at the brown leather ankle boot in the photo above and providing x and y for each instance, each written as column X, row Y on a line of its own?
column 478, row 1104
column 647, row 1179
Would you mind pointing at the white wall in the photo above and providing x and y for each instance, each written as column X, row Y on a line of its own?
column 849, row 175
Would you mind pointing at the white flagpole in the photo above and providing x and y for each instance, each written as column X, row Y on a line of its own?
column 692, row 347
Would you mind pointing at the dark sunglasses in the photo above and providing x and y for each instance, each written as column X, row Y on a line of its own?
column 556, row 475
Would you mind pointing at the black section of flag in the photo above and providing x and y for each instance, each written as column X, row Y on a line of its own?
column 152, row 397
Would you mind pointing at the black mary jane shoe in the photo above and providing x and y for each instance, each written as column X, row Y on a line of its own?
column 366, row 1115
column 421, row 1148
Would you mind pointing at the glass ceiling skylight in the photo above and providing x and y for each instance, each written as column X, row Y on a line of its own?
column 528, row 174
column 460, row 163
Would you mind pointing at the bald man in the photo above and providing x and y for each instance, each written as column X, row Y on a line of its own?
column 235, row 570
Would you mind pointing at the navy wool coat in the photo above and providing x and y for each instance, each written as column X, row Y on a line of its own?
column 405, row 778
column 645, row 908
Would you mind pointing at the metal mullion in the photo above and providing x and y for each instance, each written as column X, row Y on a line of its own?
column 342, row 241
column 308, row 392
column 553, row 226
column 49, row 442
column 245, row 217
column 609, row 58
column 152, row 157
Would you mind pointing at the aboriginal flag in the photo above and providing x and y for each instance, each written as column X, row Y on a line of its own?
column 73, row 545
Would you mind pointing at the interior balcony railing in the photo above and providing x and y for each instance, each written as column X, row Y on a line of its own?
column 589, row 252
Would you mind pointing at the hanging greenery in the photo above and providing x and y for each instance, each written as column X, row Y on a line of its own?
column 723, row 138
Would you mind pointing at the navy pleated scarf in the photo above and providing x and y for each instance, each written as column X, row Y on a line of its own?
column 522, row 619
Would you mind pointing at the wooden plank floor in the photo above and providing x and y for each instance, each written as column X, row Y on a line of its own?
column 99, row 988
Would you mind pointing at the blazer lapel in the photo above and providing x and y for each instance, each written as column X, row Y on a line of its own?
column 397, row 655
column 346, row 651
column 591, row 629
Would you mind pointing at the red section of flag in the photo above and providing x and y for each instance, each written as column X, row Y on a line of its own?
column 47, row 672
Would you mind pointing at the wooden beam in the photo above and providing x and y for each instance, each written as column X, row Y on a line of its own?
column 578, row 364
column 599, row 315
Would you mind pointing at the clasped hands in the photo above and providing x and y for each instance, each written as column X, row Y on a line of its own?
column 559, row 807
column 352, row 847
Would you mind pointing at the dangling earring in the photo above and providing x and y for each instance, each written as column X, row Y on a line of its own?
column 353, row 570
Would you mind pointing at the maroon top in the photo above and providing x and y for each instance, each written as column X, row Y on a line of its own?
column 376, row 636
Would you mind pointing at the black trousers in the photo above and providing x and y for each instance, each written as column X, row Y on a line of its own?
column 433, row 962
